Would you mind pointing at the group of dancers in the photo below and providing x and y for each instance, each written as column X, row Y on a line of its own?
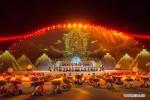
column 63, row 82
column 10, row 88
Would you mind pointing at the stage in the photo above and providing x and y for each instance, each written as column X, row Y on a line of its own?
column 81, row 72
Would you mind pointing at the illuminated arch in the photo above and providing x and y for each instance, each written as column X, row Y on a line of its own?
column 61, row 26
column 101, row 40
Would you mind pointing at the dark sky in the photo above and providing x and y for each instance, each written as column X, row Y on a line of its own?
column 23, row 16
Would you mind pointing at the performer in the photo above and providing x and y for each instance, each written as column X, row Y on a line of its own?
column 102, row 68
column 39, row 89
column 2, row 87
column 13, row 88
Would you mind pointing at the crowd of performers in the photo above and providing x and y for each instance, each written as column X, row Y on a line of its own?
column 10, row 84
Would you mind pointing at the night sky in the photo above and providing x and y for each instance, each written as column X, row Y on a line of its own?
column 23, row 16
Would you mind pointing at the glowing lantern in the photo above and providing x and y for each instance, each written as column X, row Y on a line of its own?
column 53, row 26
column 80, row 25
column 69, row 25
column 64, row 26
column 2, row 78
column 85, row 26
column 29, row 67
column 58, row 25
column 74, row 25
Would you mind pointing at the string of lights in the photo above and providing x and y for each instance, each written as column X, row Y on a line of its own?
column 58, row 26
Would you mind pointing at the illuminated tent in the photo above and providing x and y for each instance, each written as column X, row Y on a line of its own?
column 141, row 61
column 7, row 60
column 108, row 62
column 43, row 62
column 24, row 61
column 125, row 62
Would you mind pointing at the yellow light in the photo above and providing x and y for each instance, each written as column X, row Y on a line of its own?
column 25, row 79
column 29, row 66
column 74, row 25
column 69, row 25
column 85, row 26
column 90, row 26
column 1, row 78
column 80, row 25
column 64, row 26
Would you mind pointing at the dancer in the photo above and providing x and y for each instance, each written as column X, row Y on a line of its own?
column 39, row 89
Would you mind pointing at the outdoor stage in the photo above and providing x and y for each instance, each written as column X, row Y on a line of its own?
column 81, row 72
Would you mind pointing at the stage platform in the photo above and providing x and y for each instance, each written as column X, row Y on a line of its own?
column 75, row 72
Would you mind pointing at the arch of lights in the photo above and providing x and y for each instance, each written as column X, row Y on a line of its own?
column 59, row 26
column 42, row 31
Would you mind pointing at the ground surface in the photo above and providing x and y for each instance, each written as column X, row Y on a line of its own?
column 84, row 93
